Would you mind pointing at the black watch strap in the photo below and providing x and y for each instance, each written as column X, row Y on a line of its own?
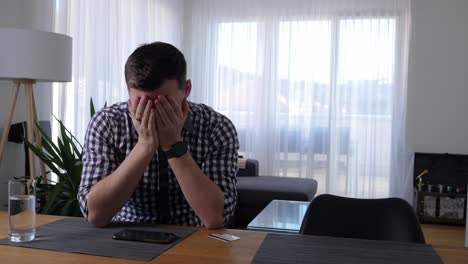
column 177, row 150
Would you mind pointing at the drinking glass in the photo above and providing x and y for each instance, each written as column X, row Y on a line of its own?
column 21, row 210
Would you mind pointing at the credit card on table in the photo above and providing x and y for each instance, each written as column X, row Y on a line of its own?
column 225, row 237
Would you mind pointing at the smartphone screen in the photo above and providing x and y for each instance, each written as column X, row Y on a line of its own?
column 145, row 236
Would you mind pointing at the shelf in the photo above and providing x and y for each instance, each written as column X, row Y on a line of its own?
column 436, row 198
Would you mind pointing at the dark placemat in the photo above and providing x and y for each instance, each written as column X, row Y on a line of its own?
column 75, row 235
column 278, row 249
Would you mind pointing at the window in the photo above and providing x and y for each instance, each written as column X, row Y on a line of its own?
column 320, row 92
column 237, row 67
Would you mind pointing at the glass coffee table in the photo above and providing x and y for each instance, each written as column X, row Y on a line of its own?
column 280, row 216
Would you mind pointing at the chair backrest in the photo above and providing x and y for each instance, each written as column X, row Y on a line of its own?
column 377, row 219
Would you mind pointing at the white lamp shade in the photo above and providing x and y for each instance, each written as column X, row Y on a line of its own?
column 36, row 55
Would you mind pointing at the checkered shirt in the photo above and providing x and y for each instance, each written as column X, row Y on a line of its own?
column 211, row 139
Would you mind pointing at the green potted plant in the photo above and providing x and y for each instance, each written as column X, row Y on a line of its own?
column 63, row 158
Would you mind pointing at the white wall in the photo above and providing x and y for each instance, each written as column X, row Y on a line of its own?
column 438, row 77
column 34, row 14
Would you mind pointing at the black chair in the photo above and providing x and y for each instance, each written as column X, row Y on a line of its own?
column 376, row 219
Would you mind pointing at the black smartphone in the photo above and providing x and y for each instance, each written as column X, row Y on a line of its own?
column 145, row 236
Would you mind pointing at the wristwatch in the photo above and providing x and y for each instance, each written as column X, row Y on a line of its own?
column 176, row 150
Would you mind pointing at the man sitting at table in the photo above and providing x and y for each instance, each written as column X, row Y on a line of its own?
column 158, row 157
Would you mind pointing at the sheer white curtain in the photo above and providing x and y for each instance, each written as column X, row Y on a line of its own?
column 316, row 89
column 104, row 33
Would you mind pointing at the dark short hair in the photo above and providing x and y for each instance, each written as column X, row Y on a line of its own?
column 151, row 64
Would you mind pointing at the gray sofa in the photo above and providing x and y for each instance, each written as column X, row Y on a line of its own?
column 256, row 192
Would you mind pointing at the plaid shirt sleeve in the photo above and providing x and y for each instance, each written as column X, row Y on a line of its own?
column 99, row 157
column 221, row 163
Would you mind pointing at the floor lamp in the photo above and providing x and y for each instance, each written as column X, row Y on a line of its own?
column 27, row 57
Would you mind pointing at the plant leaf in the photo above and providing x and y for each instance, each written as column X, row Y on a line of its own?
column 66, row 207
column 65, row 143
column 75, row 209
column 46, row 138
column 51, row 199
column 91, row 106
column 50, row 151
column 74, row 138
column 63, row 153
column 41, row 155
column 54, row 209
column 75, row 173
column 48, row 145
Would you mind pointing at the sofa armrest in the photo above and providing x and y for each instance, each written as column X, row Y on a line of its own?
column 247, row 167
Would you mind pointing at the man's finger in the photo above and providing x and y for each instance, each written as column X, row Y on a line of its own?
column 166, row 105
column 140, row 108
column 171, row 113
column 132, row 113
column 162, row 114
column 133, row 105
column 159, row 121
column 146, row 114
column 176, row 107
column 153, row 127
column 152, row 122
column 136, row 123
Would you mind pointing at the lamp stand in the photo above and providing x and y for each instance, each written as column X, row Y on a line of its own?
column 33, row 131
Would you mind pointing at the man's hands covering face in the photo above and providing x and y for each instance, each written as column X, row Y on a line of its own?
column 159, row 123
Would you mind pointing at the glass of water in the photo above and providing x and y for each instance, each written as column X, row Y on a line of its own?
column 21, row 210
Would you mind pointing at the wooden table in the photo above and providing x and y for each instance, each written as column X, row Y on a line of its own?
column 199, row 248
